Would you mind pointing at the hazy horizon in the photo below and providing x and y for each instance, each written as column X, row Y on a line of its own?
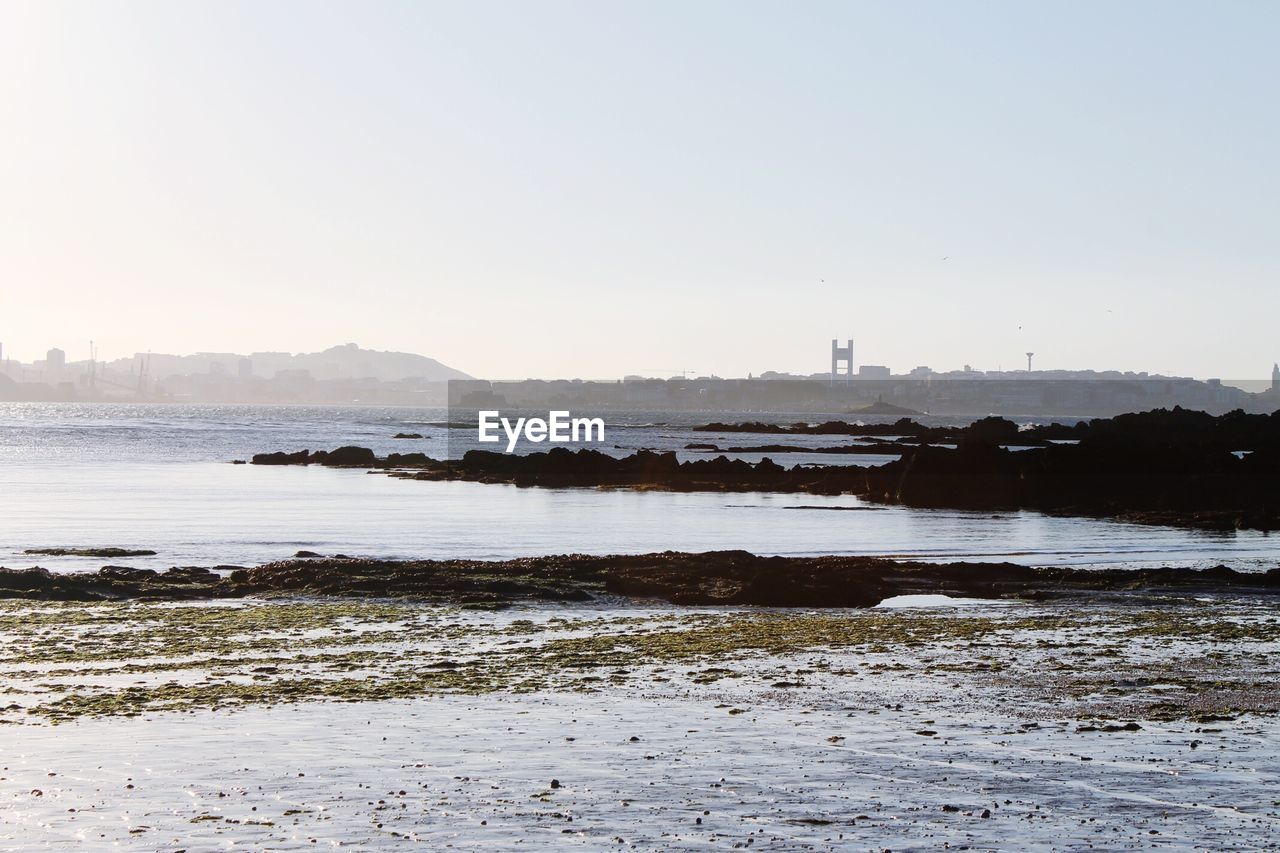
column 580, row 189
column 1258, row 382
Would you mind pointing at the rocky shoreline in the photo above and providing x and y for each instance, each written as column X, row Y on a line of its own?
column 712, row 578
column 1161, row 467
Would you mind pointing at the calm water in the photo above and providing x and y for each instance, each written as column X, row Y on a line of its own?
column 158, row 477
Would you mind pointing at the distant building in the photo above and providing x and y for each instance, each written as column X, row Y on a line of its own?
column 244, row 369
column 839, row 355
column 921, row 372
column 55, row 359
column 294, row 380
column 873, row 371
column 1275, row 377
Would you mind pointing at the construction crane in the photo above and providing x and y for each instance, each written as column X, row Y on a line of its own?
column 139, row 388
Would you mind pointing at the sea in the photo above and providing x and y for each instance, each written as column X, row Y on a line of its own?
column 160, row 477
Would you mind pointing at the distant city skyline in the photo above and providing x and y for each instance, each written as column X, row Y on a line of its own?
column 571, row 188
column 349, row 375
column 865, row 368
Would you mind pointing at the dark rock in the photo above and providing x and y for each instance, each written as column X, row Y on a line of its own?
column 302, row 457
column 125, row 573
column 346, row 457
column 1126, row 727
column 988, row 432
column 408, row 460
column 735, row 578
column 109, row 553
column 1159, row 467
column 193, row 575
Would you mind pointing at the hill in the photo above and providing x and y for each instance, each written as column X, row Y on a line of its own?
column 347, row 361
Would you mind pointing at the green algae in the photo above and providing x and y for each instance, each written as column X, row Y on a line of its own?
column 127, row 659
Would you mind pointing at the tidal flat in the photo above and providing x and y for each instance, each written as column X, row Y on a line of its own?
column 290, row 722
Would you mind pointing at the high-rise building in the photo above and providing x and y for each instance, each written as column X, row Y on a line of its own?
column 1275, row 377
column 55, row 359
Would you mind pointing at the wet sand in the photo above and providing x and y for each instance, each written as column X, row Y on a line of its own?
column 385, row 723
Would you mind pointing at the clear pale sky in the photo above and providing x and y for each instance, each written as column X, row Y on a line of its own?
column 598, row 188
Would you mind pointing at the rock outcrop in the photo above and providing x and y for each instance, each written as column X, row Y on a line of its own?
column 711, row 578
column 1165, row 467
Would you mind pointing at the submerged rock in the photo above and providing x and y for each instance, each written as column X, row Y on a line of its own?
column 108, row 553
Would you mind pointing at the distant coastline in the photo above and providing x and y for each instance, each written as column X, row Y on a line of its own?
column 344, row 374
column 351, row 375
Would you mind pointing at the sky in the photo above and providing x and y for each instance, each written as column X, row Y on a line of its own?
column 591, row 189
